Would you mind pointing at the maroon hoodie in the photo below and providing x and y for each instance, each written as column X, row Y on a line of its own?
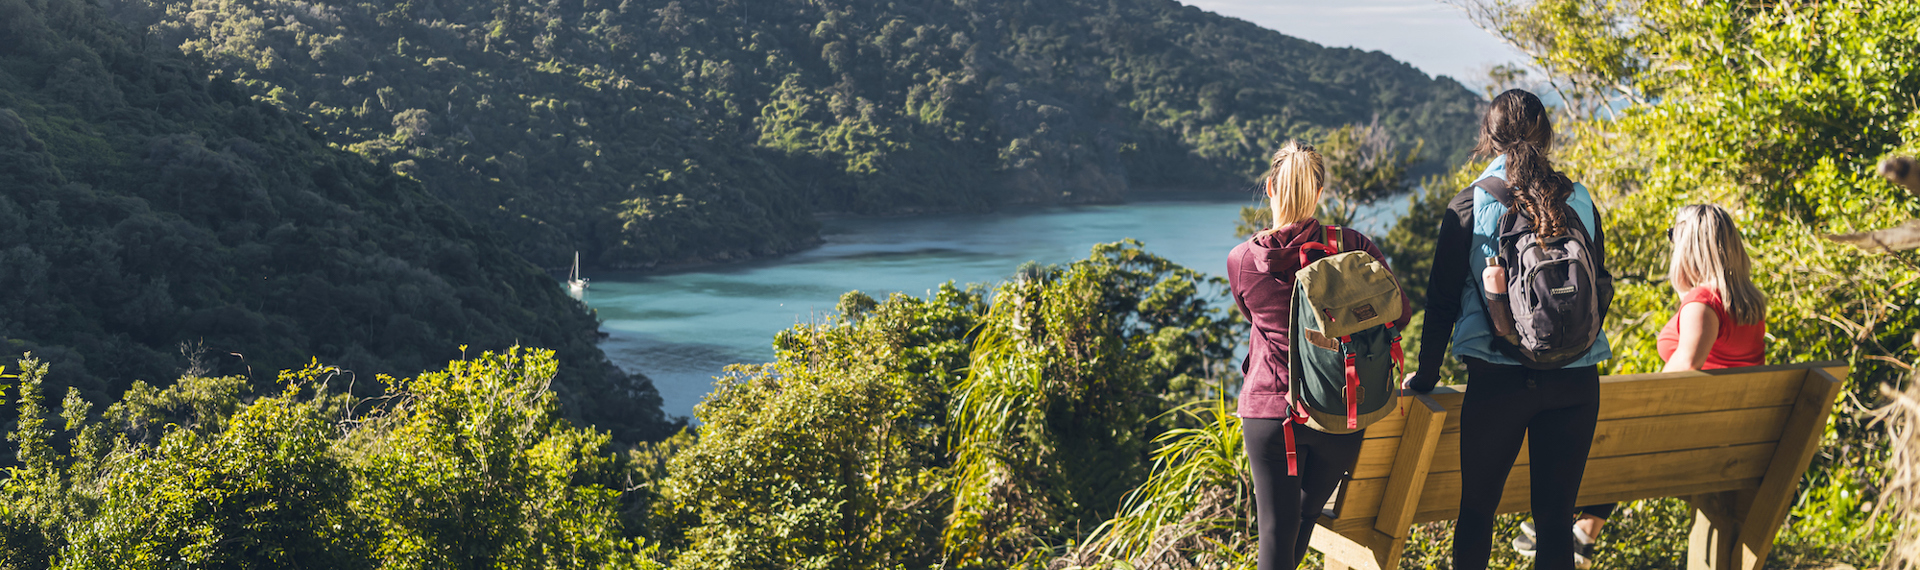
column 1261, row 274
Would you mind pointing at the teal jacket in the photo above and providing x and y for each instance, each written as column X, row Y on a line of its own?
column 1456, row 315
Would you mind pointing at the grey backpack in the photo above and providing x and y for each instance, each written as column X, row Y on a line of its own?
column 1554, row 288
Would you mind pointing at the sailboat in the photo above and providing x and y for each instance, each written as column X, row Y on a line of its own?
column 574, row 280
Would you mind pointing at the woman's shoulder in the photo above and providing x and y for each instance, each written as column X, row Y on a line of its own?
column 1706, row 295
column 1352, row 239
column 1241, row 255
column 1702, row 294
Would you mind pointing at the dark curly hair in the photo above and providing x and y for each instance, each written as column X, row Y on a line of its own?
column 1517, row 126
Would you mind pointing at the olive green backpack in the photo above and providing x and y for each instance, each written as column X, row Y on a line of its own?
column 1345, row 347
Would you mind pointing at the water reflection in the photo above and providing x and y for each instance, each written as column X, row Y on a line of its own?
column 681, row 328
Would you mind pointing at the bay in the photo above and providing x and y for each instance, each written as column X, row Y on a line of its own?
column 681, row 328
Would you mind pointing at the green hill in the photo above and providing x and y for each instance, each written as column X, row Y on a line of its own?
column 154, row 222
column 645, row 131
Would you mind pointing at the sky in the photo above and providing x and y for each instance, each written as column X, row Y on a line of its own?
column 1435, row 37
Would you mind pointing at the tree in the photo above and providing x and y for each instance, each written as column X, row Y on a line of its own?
column 1071, row 374
column 470, row 467
column 834, row 455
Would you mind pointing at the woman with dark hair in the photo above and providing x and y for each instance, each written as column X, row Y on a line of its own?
column 1553, row 408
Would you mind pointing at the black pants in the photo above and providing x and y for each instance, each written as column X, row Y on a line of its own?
column 1555, row 411
column 1288, row 506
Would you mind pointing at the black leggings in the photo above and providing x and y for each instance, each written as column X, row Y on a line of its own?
column 1555, row 411
column 1289, row 506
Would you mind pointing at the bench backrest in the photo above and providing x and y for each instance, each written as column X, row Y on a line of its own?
column 1659, row 435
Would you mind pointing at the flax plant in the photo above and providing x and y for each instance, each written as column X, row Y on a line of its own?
column 1194, row 510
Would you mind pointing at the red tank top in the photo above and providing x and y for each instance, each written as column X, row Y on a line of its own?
column 1736, row 345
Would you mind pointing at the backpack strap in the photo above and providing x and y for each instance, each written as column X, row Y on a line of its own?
column 1497, row 187
column 1353, row 385
column 1333, row 234
column 1331, row 245
column 1293, row 463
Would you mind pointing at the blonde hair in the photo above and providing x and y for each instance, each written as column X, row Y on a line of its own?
column 1707, row 251
column 1294, row 182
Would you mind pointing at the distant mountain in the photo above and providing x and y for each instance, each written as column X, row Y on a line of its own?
column 154, row 222
column 646, row 131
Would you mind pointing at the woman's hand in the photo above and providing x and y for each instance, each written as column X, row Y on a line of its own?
column 1406, row 384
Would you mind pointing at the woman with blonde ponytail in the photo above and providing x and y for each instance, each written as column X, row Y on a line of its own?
column 1261, row 272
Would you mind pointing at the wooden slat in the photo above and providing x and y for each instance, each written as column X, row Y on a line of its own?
column 1449, row 397
column 1609, row 479
column 1802, row 438
column 1363, row 549
column 1377, row 457
column 1348, row 525
column 1802, row 366
column 1664, row 393
column 1696, row 392
column 1625, row 494
column 1393, row 424
column 1411, row 466
column 1617, row 476
column 1618, row 437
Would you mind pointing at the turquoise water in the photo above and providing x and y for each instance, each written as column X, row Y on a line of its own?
column 681, row 328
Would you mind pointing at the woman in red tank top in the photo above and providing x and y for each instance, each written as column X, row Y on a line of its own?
column 1722, row 323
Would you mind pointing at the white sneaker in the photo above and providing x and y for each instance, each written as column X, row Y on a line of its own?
column 1582, row 545
column 1524, row 543
column 1582, row 550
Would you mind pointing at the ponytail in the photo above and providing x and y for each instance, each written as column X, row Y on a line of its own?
column 1293, row 183
column 1517, row 126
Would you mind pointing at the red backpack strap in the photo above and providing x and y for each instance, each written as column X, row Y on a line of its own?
column 1353, row 384
column 1293, row 464
column 1330, row 243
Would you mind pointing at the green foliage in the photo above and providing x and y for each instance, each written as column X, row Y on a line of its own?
column 1364, row 166
column 658, row 131
column 474, row 467
column 1778, row 112
column 263, row 492
column 1071, row 368
column 1195, row 510
column 1409, row 245
column 471, row 467
column 155, row 221
column 833, row 456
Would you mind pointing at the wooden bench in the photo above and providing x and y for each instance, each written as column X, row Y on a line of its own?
column 1734, row 442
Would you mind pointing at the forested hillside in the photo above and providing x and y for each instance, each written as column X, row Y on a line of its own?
column 651, row 131
column 154, row 222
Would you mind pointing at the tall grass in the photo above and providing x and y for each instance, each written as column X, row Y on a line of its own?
column 1194, row 511
column 1901, row 494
